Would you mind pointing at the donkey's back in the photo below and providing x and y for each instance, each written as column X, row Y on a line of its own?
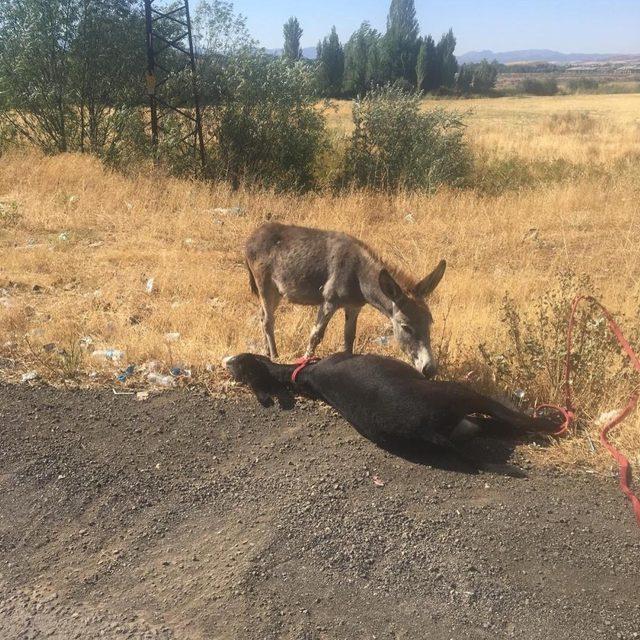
column 333, row 270
column 299, row 262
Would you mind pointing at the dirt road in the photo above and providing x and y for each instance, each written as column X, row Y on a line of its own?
column 183, row 516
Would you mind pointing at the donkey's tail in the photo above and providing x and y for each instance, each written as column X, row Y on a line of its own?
column 252, row 280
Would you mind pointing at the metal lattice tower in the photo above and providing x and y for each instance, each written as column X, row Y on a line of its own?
column 169, row 38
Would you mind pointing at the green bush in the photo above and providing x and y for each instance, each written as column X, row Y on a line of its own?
column 267, row 129
column 582, row 85
column 495, row 176
column 538, row 86
column 9, row 136
column 396, row 145
column 531, row 364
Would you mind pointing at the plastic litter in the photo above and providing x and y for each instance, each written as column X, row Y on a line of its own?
column 383, row 341
column 160, row 380
column 152, row 365
column 605, row 417
column 149, row 286
column 377, row 481
column 64, row 236
column 172, row 336
column 409, row 218
column 179, row 372
column 30, row 375
column 108, row 354
column 127, row 373
column 142, row 395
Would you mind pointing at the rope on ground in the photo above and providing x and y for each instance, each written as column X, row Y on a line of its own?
column 568, row 412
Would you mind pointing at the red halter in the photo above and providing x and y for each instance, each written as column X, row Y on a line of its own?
column 302, row 363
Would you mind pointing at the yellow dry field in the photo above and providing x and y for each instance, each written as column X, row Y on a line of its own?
column 78, row 244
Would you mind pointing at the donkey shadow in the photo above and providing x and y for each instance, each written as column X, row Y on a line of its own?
column 474, row 459
column 487, row 453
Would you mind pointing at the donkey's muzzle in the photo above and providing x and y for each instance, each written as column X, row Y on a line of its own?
column 429, row 370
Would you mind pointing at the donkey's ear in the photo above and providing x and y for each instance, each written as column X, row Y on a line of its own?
column 389, row 286
column 428, row 284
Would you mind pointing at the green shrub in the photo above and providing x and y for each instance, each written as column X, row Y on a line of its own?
column 130, row 144
column 495, row 176
column 267, row 129
column 583, row 85
column 538, row 86
column 531, row 364
column 9, row 136
column 395, row 145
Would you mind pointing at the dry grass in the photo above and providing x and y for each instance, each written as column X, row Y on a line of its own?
column 519, row 127
column 88, row 239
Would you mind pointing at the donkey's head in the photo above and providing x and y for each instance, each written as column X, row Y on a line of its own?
column 258, row 372
column 411, row 318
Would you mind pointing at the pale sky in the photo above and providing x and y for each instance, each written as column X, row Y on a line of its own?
column 569, row 26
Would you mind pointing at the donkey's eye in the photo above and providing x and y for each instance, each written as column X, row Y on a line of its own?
column 407, row 329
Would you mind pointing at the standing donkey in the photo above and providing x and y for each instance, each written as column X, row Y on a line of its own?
column 334, row 270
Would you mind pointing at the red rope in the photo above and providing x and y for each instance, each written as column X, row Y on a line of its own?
column 302, row 363
column 568, row 411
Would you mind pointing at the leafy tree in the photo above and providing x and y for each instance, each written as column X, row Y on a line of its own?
column 400, row 43
column 220, row 34
column 35, row 81
column 292, row 34
column 362, row 60
column 330, row 65
column 219, row 30
column 448, row 62
column 267, row 129
column 69, row 69
column 106, row 82
column 464, row 80
column 485, row 75
column 428, row 66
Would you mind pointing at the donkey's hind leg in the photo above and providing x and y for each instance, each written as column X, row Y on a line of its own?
column 269, row 301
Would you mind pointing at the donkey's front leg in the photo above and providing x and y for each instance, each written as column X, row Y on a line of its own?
column 350, row 322
column 325, row 313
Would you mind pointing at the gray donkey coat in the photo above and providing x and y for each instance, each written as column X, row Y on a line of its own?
column 333, row 270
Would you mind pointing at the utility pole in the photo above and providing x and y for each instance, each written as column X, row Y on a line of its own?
column 168, row 31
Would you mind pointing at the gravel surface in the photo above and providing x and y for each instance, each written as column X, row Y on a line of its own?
column 184, row 516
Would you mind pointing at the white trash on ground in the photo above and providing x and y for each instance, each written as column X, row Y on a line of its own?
column 160, row 380
column 108, row 354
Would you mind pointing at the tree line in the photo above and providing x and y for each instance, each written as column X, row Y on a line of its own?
column 72, row 79
column 399, row 56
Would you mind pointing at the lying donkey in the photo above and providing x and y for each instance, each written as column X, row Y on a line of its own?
column 385, row 399
column 334, row 270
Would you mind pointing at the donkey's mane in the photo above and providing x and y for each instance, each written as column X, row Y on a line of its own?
column 402, row 277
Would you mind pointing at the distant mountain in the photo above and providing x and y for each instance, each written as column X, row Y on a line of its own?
column 307, row 52
column 541, row 55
